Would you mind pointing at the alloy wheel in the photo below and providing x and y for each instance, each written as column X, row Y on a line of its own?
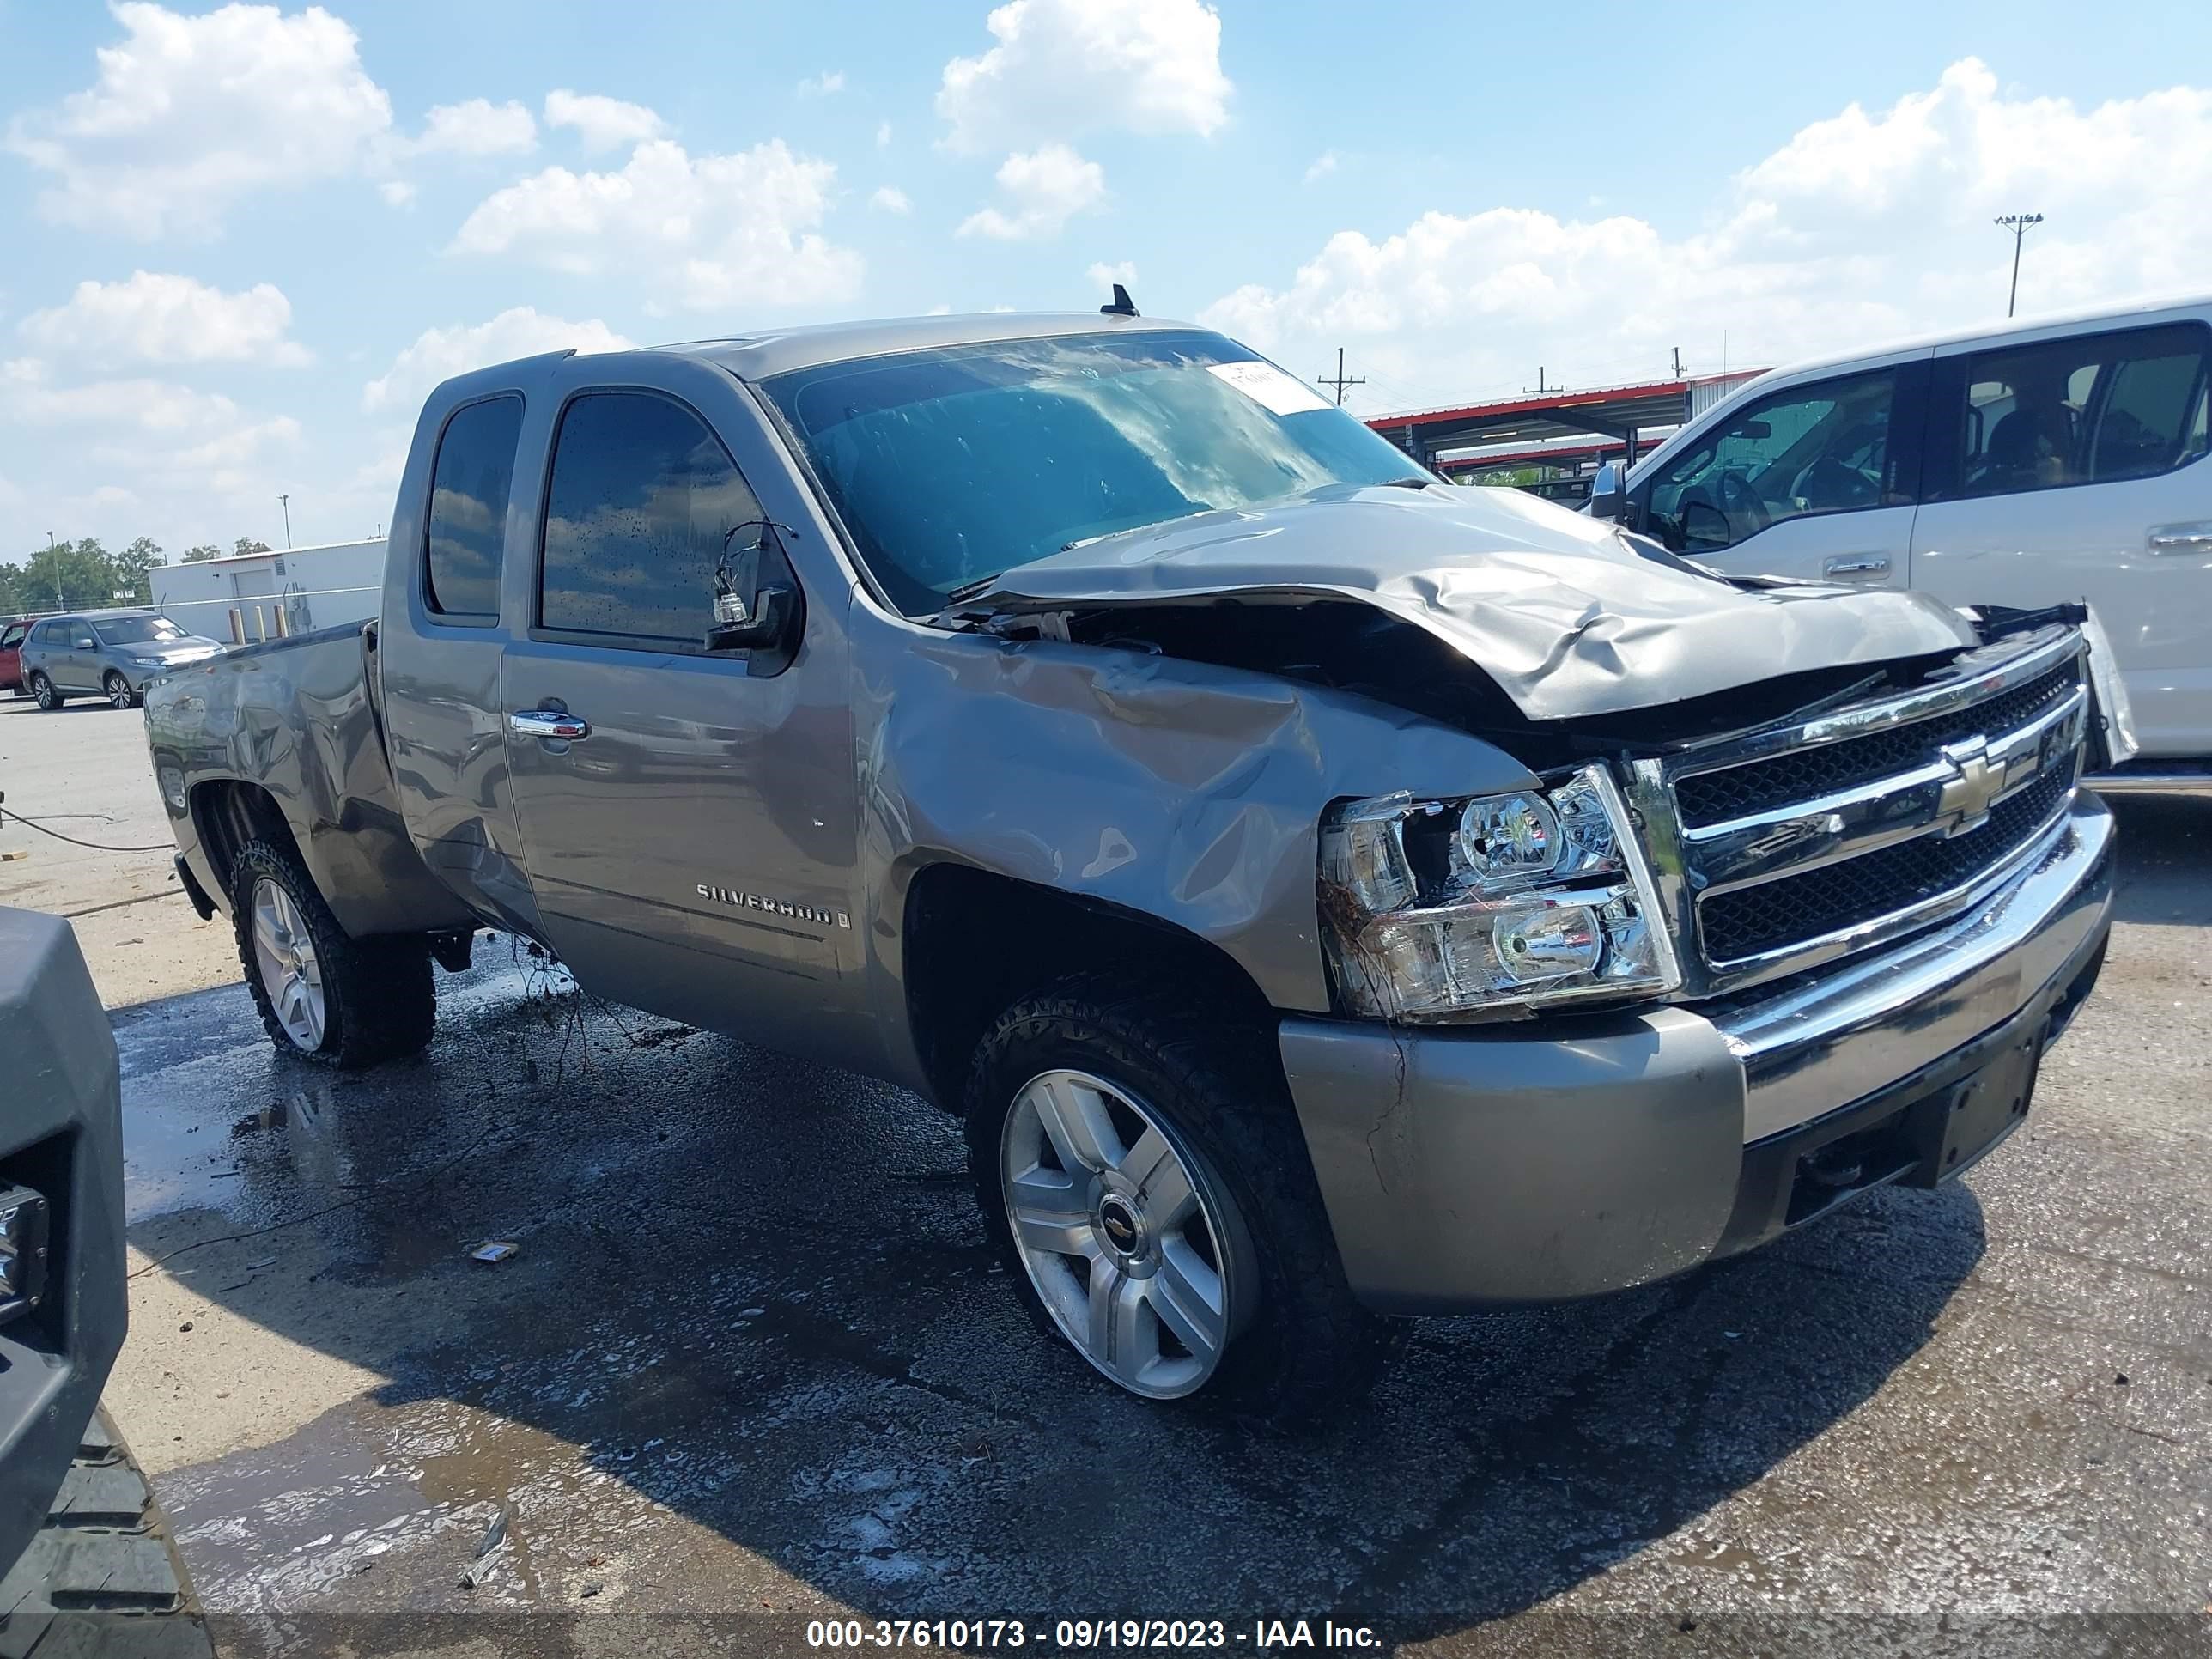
column 42, row 690
column 1127, row 1241
column 290, row 973
column 118, row 689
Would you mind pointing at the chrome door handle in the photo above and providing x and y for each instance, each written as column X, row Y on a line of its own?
column 548, row 723
column 2182, row 540
column 1856, row 565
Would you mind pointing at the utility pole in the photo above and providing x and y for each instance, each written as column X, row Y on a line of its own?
column 1539, row 388
column 2019, row 224
column 1338, row 381
column 285, row 501
column 1678, row 362
column 60, row 603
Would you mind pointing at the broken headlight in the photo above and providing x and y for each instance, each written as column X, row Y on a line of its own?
column 1462, row 909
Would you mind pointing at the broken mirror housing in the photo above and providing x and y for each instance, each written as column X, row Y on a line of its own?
column 1493, row 905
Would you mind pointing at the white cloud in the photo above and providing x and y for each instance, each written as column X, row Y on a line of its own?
column 155, row 406
column 883, row 134
column 1062, row 67
column 892, row 199
column 161, row 318
column 397, row 192
column 728, row 230
column 1105, row 275
column 190, row 115
column 1860, row 227
column 823, row 85
column 238, row 447
column 1041, row 191
column 1323, row 165
column 477, row 127
column 439, row 354
column 603, row 123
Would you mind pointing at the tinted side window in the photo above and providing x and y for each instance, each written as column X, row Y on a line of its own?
column 80, row 638
column 469, row 490
column 642, row 500
column 1818, row 448
column 2094, row 409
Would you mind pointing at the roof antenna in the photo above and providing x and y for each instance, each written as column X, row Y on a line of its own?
column 1123, row 306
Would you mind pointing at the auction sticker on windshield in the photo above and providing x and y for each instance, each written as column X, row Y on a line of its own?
column 1269, row 387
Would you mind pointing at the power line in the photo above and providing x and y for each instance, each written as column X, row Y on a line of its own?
column 2019, row 224
column 1340, row 382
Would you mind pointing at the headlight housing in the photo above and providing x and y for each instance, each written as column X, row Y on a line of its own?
column 1490, row 906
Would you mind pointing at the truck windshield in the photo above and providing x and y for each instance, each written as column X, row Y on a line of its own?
column 137, row 630
column 950, row 464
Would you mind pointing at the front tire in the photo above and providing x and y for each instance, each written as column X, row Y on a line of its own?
column 43, row 692
column 324, row 995
column 1142, row 1167
column 117, row 690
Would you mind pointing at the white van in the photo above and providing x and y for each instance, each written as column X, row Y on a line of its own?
column 2026, row 465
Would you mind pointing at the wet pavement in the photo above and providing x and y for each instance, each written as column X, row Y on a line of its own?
column 751, row 1358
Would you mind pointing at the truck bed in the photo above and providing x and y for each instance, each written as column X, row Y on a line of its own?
column 287, row 736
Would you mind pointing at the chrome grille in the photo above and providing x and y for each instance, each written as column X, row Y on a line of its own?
column 1775, row 913
column 1801, row 843
column 1734, row 792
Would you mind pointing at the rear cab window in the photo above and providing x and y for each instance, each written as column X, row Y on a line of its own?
column 470, row 484
column 2087, row 409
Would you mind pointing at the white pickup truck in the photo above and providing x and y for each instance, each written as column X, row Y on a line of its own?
column 2031, row 463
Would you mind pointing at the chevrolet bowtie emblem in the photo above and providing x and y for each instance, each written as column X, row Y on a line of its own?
column 1979, row 779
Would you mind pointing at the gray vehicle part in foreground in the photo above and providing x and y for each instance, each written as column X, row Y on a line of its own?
column 61, row 1137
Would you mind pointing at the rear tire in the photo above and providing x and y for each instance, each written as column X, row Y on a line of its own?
column 1298, row 1342
column 117, row 690
column 324, row 995
column 43, row 692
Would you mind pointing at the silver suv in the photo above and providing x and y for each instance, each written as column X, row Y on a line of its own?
column 110, row 652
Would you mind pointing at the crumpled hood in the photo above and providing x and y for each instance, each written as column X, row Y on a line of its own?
column 1558, row 610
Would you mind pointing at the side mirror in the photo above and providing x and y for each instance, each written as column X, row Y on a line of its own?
column 1609, row 496
column 762, row 625
column 753, row 611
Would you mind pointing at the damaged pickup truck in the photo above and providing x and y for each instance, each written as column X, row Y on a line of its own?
column 1323, row 892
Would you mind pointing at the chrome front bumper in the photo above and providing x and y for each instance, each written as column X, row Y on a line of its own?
column 1570, row 1157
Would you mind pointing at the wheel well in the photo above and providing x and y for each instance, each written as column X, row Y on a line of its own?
column 976, row 943
column 229, row 813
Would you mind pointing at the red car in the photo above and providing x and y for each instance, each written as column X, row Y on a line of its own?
column 11, row 656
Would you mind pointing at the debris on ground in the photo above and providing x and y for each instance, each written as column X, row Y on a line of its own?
column 493, row 1249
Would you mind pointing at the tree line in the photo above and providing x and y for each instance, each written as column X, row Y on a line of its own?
column 84, row 576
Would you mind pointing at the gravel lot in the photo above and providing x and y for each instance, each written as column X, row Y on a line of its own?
column 751, row 1359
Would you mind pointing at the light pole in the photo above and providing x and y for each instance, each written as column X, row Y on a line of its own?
column 285, row 501
column 2019, row 224
column 60, row 603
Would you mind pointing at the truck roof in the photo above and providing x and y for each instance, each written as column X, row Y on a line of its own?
column 758, row 356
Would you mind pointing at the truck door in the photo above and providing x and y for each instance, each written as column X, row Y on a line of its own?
column 1814, row 481
column 2073, row 466
column 687, row 816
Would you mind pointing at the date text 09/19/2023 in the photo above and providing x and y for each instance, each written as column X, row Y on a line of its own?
column 1261, row 1636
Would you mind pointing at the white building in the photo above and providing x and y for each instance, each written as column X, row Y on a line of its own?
column 264, row 596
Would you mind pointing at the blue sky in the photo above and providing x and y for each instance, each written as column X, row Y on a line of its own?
column 246, row 242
